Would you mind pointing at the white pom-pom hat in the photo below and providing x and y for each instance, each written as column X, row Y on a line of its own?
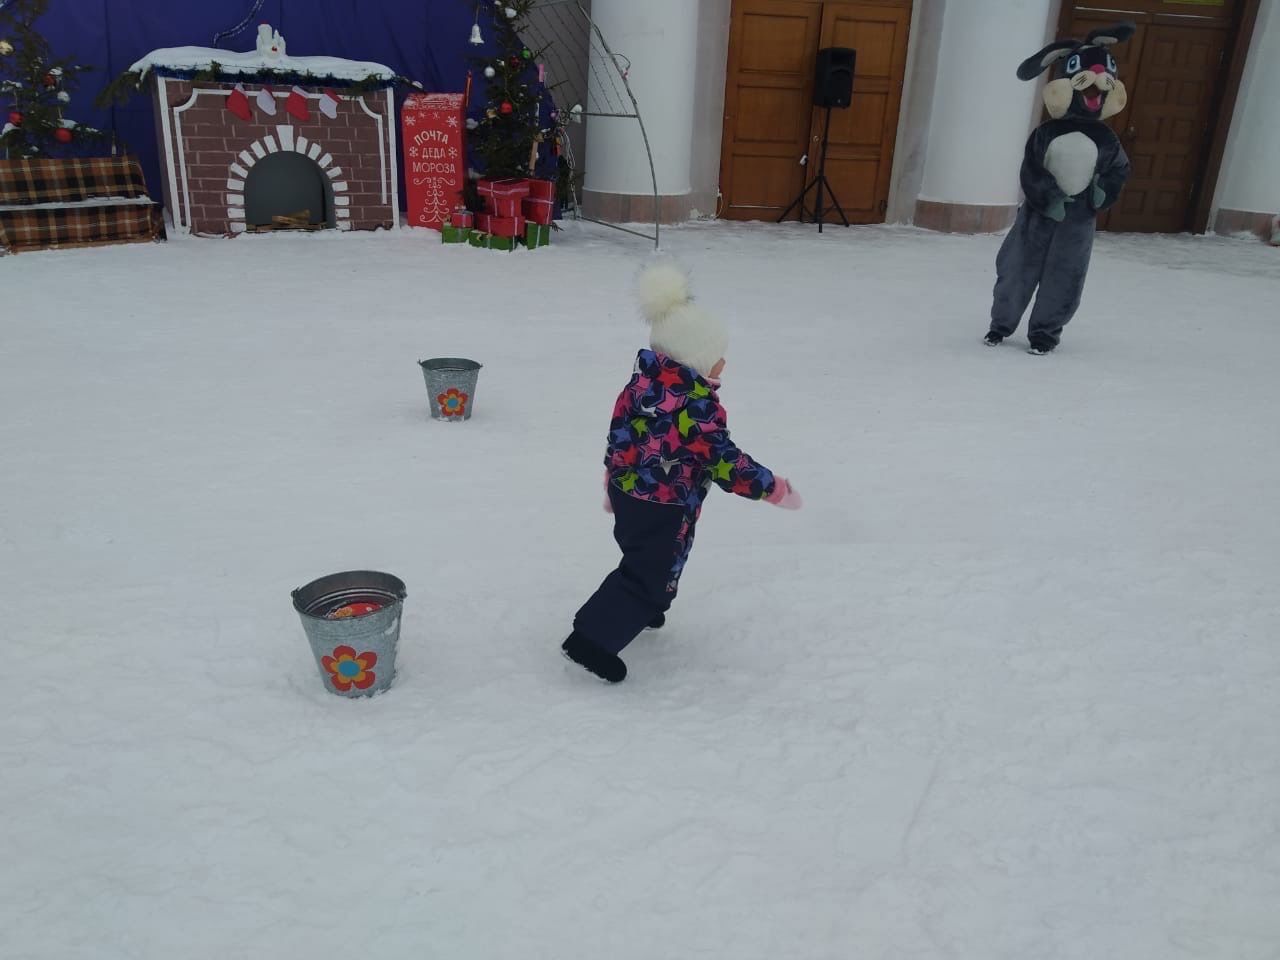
column 679, row 327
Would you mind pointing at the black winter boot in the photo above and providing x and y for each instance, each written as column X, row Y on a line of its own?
column 993, row 339
column 1040, row 346
column 605, row 665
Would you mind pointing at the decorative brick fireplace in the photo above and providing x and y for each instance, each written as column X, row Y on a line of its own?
column 212, row 157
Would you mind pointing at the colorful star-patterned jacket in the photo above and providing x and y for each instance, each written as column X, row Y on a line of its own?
column 669, row 440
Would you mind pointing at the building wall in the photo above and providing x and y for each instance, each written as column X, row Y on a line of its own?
column 1248, row 194
column 963, row 124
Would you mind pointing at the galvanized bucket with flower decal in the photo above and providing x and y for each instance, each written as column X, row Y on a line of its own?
column 352, row 621
column 451, row 385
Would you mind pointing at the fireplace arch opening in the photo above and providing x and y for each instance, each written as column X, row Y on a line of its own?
column 284, row 185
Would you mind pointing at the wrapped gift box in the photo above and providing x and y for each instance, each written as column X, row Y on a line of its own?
column 512, row 188
column 506, row 226
column 538, row 211
column 537, row 235
column 490, row 242
column 505, row 206
column 542, row 189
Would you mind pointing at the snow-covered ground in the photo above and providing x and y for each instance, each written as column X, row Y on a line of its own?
column 1008, row 688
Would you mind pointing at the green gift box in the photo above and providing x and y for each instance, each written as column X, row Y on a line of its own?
column 537, row 235
column 490, row 242
column 451, row 234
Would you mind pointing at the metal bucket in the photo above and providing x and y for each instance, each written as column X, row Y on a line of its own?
column 451, row 385
column 352, row 621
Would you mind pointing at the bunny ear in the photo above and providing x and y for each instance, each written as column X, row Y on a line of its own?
column 1037, row 64
column 1109, row 36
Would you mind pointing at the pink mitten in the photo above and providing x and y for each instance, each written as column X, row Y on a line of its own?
column 784, row 495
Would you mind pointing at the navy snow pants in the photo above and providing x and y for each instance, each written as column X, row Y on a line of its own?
column 655, row 539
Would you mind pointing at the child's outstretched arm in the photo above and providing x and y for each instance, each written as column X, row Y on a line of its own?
column 704, row 439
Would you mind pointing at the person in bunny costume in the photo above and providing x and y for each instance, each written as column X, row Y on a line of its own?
column 668, row 445
column 1074, row 168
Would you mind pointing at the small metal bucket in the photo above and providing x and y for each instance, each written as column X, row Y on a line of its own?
column 352, row 621
column 451, row 385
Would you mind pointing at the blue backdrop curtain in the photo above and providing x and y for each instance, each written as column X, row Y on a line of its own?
column 424, row 40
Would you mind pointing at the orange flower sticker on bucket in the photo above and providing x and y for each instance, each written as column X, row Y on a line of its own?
column 349, row 669
column 453, row 402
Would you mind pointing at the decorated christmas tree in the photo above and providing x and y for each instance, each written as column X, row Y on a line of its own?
column 35, row 89
column 515, row 129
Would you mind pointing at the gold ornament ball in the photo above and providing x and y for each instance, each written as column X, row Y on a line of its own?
column 6, row 48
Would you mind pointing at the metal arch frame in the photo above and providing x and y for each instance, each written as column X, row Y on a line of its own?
column 594, row 31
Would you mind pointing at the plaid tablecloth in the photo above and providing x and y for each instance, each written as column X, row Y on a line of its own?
column 73, row 203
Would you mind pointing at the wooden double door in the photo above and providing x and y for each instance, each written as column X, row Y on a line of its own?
column 771, row 126
column 1175, row 70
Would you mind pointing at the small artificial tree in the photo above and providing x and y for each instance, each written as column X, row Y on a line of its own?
column 516, row 117
column 34, row 87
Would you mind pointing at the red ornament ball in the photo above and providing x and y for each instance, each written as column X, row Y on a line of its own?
column 506, row 108
column 62, row 135
column 15, row 118
column 50, row 80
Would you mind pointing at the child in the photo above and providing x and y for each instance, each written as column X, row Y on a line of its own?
column 668, row 444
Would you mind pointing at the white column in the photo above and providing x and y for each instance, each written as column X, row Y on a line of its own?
column 714, row 20
column 659, row 37
column 981, row 110
column 1250, row 177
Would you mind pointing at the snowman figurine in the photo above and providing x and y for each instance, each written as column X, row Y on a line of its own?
column 270, row 43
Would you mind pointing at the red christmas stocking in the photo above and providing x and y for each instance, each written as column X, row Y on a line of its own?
column 297, row 106
column 238, row 104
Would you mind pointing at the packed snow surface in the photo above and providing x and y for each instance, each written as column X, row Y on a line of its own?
column 1008, row 688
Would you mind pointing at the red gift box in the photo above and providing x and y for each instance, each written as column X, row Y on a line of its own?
column 483, row 220
column 462, row 218
column 511, row 187
column 542, row 189
column 504, row 206
column 538, row 211
column 506, row 226
column 434, row 148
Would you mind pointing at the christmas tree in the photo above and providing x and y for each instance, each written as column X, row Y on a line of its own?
column 517, row 119
column 34, row 87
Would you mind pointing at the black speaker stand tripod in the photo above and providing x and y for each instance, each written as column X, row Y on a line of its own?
column 821, row 210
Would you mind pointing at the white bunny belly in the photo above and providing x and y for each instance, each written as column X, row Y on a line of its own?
column 1072, row 160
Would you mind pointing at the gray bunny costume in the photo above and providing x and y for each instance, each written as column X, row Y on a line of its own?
column 1073, row 169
